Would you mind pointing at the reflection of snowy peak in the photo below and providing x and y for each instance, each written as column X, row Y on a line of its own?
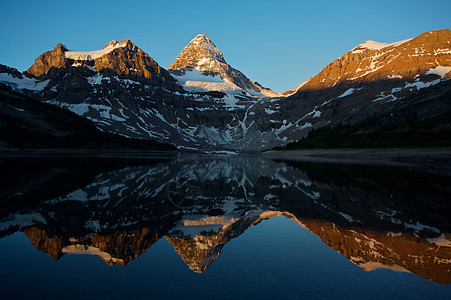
column 202, row 55
column 199, row 239
column 200, row 203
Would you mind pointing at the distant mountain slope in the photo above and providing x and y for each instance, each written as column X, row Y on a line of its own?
column 26, row 123
column 373, row 79
column 399, row 62
column 419, row 120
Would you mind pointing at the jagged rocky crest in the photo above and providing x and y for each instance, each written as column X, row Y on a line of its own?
column 116, row 58
column 54, row 58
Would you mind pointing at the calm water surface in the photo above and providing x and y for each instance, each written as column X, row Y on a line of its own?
column 193, row 226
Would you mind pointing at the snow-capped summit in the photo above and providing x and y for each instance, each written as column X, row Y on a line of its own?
column 202, row 55
column 373, row 45
column 407, row 61
column 91, row 55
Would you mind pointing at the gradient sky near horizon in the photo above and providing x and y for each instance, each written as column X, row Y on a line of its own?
column 277, row 43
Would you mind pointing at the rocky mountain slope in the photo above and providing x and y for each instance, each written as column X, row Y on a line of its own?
column 26, row 123
column 407, row 60
column 206, row 105
column 382, row 82
column 127, row 102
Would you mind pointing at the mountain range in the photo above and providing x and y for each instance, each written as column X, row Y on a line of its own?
column 201, row 103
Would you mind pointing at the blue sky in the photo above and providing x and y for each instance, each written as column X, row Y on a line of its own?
column 277, row 43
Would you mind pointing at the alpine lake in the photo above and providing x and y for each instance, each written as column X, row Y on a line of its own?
column 166, row 226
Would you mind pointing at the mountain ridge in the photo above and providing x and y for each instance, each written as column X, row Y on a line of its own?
column 122, row 58
column 126, row 92
column 383, row 61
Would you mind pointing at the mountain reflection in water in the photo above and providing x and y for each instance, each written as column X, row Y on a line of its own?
column 377, row 217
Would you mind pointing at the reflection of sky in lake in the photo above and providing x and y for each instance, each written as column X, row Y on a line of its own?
column 225, row 227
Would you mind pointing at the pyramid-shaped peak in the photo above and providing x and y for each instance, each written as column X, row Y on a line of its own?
column 203, row 43
column 201, row 54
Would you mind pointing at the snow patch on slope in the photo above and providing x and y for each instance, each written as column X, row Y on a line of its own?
column 441, row 241
column 440, row 71
column 22, row 221
column 198, row 81
column 25, row 83
column 348, row 92
column 90, row 250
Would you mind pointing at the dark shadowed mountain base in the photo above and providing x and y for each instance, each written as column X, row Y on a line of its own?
column 26, row 123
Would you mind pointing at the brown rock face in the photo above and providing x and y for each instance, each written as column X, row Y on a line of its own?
column 131, row 60
column 126, row 245
column 119, row 248
column 375, row 81
column 373, row 61
column 198, row 253
column 42, row 242
column 54, row 58
column 400, row 252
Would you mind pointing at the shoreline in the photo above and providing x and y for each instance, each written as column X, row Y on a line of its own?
column 428, row 160
column 61, row 153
